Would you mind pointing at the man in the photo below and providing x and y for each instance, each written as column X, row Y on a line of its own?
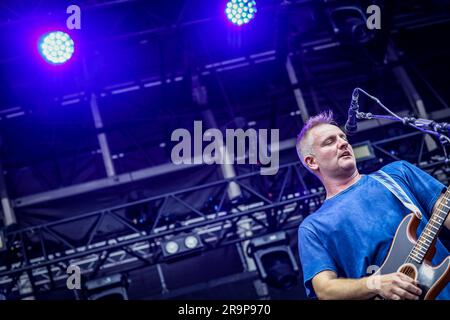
column 353, row 229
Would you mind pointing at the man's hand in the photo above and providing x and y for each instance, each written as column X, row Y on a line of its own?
column 397, row 286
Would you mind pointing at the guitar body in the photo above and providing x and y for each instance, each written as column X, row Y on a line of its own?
column 431, row 279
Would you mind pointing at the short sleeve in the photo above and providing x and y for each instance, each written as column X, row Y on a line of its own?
column 314, row 258
column 425, row 188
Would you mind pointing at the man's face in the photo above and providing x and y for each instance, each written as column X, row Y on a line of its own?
column 332, row 154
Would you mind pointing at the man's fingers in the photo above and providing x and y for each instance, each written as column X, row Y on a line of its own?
column 395, row 297
column 411, row 288
column 410, row 285
column 404, row 276
column 405, row 294
column 408, row 279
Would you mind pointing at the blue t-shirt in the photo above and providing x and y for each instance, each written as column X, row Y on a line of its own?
column 354, row 229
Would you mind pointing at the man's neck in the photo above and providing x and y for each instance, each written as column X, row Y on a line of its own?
column 335, row 185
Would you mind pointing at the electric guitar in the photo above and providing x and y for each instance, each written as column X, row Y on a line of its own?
column 412, row 256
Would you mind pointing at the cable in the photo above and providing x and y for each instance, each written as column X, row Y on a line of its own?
column 440, row 136
column 382, row 105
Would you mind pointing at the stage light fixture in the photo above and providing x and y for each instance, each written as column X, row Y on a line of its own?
column 191, row 242
column 274, row 260
column 349, row 24
column 172, row 247
column 56, row 47
column 240, row 12
column 114, row 287
column 181, row 246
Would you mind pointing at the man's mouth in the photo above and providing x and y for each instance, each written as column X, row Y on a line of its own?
column 345, row 154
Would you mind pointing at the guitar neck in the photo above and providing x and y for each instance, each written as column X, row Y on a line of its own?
column 432, row 229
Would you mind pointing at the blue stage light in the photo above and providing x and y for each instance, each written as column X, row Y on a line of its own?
column 56, row 47
column 240, row 11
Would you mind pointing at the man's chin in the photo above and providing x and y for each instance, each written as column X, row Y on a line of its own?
column 348, row 164
column 350, row 159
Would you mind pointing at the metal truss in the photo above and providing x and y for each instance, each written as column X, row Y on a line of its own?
column 321, row 43
column 130, row 236
column 43, row 253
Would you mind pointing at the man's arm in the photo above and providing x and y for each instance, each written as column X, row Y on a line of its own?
column 395, row 286
column 447, row 221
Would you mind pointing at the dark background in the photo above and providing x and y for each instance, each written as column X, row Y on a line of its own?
column 49, row 141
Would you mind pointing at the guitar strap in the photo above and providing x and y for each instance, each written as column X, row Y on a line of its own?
column 393, row 186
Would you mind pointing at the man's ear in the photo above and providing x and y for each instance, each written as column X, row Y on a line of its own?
column 311, row 162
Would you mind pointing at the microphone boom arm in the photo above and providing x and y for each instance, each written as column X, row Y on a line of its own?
column 424, row 125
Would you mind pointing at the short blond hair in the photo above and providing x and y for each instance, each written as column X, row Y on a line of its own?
column 325, row 117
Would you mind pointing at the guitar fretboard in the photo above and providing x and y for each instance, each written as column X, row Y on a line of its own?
column 432, row 229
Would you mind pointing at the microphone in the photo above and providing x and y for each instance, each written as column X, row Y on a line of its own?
column 351, row 126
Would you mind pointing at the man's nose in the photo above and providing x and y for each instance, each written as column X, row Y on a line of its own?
column 342, row 143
